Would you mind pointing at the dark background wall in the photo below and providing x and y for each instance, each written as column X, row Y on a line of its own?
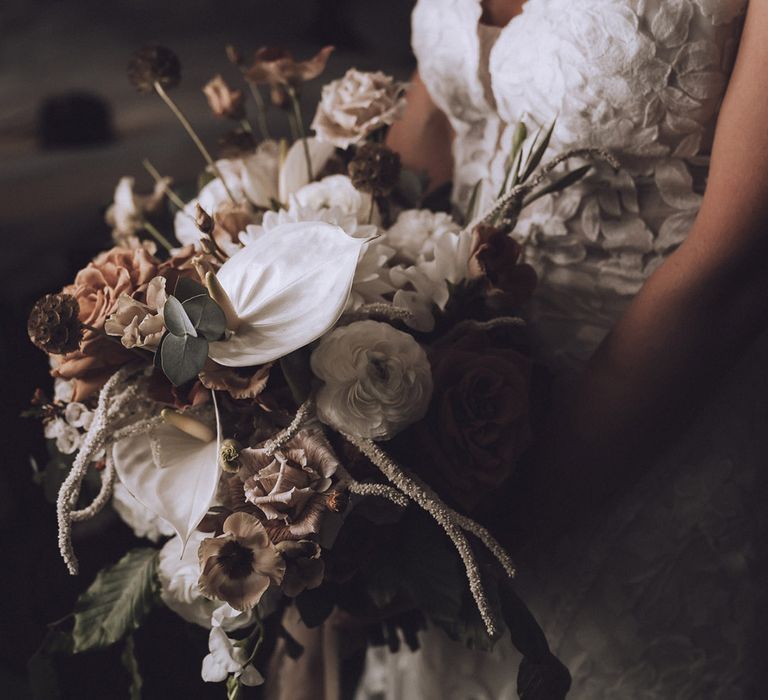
column 52, row 203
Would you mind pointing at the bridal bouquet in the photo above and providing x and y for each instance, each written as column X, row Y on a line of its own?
column 298, row 384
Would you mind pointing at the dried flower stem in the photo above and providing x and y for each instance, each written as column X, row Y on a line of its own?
column 302, row 133
column 113, row 403
column 378, row 310
column 422, row 495
column 302, row 415
column 261, row 110
column 380, row 490
column 159, row 237
column 193, row 135
column 160, row 180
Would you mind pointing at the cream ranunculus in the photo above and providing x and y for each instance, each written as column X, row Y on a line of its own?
column 336, row 191
column 356, row 105
column 376, row 379
column 414, row 232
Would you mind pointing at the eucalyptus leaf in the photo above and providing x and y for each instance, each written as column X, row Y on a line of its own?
column 158, row 351
column 183, row 357
column 206, row 316
column 176, row 320
column 186, row 288
column 117, row 602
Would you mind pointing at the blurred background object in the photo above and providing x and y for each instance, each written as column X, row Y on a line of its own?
column 70, row 126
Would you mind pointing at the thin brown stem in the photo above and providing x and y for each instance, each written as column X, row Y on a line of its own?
column 193, row 135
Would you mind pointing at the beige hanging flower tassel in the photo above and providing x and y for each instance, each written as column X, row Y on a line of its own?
column 302, row 416
column 448, row 519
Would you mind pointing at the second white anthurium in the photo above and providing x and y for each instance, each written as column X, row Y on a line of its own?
column 173, row 470
column 286, row 288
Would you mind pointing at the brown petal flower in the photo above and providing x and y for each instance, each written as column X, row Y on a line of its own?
column 97, row 289
column 223, row 100
column 154, row 64
column 289, row 487
column 238, row 382
column 54, row 324
column 275, row 66
column 304, row 568
column 238, row 566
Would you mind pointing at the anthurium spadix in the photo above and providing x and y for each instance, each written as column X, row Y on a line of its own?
column 287, row 287
column 174, row 469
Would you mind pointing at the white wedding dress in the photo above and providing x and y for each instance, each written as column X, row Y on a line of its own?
column 660, row 599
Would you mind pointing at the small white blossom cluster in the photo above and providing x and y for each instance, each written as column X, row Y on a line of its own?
column 68, row 429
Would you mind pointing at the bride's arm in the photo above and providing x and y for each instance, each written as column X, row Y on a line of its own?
column 690, row 323
column 423, row 136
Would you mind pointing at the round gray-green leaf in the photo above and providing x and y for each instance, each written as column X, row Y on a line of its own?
column 176, row 320
column 182, row 357
column 206, row 316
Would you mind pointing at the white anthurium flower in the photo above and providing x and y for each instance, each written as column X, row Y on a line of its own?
column 179, row 571
column 225, row 658
column 173, row 470
column 138, row 517
column 371, row 283
column 283, row 290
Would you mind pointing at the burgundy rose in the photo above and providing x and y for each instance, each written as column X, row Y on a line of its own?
column 478, row 422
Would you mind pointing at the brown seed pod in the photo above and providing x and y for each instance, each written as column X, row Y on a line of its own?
column 154, row 64
column 54, row 324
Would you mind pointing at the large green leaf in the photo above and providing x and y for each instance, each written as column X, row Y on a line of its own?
column 206, row 316
column 182, row 357
column 117, row 601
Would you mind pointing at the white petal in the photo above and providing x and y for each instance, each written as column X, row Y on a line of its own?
column 293, row 173
column 288, row 287
column 177, row 480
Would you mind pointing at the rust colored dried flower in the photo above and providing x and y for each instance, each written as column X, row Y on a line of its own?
column 54, row 324
column 290, row 487
column 375, row 169
column 494, row 257
column 304, row 568
column 223, row 100
column 236, row 143
column 238, row 382
column 238, row 566
column 154, row 64
column 276, row 66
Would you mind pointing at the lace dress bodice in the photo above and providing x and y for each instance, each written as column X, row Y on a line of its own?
column 663, row 597
column 641, row 78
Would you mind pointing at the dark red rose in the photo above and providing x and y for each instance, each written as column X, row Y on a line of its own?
column 478, row 423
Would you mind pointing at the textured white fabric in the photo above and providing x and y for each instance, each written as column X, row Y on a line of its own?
column 657, row 600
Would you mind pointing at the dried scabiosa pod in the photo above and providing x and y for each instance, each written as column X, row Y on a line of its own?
column 54, row 324
column 374, row 169
column 154, row 64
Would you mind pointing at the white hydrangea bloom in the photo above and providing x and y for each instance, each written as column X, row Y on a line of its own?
column 412, row 234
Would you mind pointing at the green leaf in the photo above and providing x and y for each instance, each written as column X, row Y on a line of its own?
column 41, row 668
column 537, row 154
column 131, row 664
column 176, row 320
column 182, row 357
column 474, row 199
column 186, row 288
column 206, row 316
column 560, row 184
column 515, row 157
column 117, row 601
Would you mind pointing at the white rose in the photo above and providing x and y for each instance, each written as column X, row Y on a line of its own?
column 412, row 235
column 339, row 192
column 377, row 380
column 356, row 105
column 179, row 589
column 138, row 517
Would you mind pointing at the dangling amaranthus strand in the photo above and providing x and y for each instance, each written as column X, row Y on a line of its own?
column 302, row 415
